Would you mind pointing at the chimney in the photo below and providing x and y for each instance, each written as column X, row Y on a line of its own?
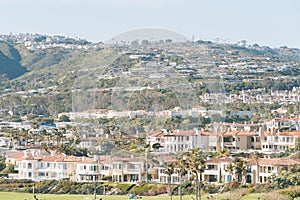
column 260, row 132
column 27, row 153
column 96, row 158
column 53, row 153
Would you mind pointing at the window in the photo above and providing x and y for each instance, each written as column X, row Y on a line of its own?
column 29, row 166
column 249, row 169
column 212, row 167
column 48, row 164
column 29, row 174
column 41, row 174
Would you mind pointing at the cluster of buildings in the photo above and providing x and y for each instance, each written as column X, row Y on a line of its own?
column 38, row 41
column 256, row 96
column 38, row 165
column 266, row 138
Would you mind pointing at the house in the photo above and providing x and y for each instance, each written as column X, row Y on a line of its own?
column 38, row 165
column 280, row 141
column 161, row 177
column 175, row 141
column 257, row 171
column 283, row 124
column 216, row 170
column 266, row 167
column 241, row 140
column 93, row 169
column 129, row 169
column 210, row 141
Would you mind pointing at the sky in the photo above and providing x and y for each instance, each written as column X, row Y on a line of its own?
column 265, row 22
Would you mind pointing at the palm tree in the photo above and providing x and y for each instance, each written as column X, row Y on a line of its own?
column 230, row 169
column 16, row 135
column 169, row 170
column 238, row 167
column 76, row 137
column 57, row 135
column 182, row 172
column 24, row 134
column 195, row 163
column 62, row 133
column 223, row 153
column 255, row 157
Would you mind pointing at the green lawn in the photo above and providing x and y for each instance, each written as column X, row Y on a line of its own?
column 22, row 196
column 27, row 196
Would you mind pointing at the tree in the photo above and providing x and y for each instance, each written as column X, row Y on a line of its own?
column 156, row 146
column 238, row 167
column 58, row 134
column 223, row 153
column 195, row 163
column 255, row 156
column 297, row 146
column 64, row 118
column 169, row 170
column 2, row 163
column 182, row 172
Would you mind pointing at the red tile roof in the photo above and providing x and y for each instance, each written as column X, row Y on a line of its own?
column 275, row 161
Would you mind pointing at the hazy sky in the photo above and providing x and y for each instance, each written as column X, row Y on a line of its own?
column 266, row 22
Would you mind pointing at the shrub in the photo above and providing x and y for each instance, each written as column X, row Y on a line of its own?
column 210, row 188
column 292, row 192
column 275, row 196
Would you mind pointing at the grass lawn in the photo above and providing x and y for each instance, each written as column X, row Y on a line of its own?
column 22, row 196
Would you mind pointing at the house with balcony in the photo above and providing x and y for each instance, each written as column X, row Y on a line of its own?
column 241, row 140
column 283, row 124
column 164, row 178
column 175, row 141
column 129, row 169
column 216, row 170
column 37, row 165
column 210, row 141
column 260, row 170
column 280, row 141
column 93, row 169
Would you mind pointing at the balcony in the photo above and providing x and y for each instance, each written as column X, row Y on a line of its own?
column 131, row 171
column 87, row 172
column 230, row 144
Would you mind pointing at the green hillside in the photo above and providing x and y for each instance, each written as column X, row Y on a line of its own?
column 10, row 62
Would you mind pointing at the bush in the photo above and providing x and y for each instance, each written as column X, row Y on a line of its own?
column 275, row 196
column 210, row 188
column 231, row 186
column 292, row 192
column 125, row 187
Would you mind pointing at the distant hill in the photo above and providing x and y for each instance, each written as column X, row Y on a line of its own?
column 150, row 34
column 10, row 61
